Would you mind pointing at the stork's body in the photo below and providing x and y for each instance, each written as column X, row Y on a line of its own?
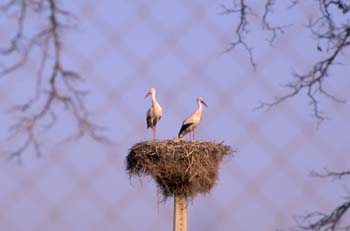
column 154, row 113
column 191, row 123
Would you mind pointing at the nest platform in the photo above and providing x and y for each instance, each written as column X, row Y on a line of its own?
column 179, row 167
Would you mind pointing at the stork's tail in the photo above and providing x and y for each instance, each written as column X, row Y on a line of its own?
column 184, row 130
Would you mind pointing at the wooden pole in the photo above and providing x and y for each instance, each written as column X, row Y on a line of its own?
column 180, row 213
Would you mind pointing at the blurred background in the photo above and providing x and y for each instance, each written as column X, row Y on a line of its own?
column 122, row 49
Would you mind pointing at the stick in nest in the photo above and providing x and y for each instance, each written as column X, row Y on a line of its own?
column 179, row 167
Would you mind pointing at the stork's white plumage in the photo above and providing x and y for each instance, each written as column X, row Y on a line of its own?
column 191, row 123
column 154, row 113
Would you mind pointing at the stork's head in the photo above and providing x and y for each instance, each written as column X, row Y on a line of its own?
column 151, row 91
column 201, row 101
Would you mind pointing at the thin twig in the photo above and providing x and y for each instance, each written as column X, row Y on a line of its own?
column 241, row 30
column 330, row 174
column 313, row 81
column 317, row 221
column 266, row 24
column 52, row 88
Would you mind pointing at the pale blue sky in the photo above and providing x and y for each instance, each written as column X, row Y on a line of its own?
column 123, row 48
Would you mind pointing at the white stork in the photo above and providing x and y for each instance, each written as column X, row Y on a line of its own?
column 191, row 122
column 154, row 113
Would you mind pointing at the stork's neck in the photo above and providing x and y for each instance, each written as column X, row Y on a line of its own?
column 153, row 98
column 199, row 106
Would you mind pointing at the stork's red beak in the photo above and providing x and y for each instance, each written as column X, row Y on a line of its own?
column 204, row 103
column 148, row 93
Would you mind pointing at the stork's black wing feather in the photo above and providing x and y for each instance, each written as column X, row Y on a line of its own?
column 183, row 129
column 149, row 121
column 152, row 122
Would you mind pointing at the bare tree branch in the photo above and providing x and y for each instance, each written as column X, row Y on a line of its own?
column 266, row 24
column 330, row 174
column 332, row 37
column 293, row 4
column 54, row 88
column 13, row 46
column 241, row 30
column 337, row 38
column 317, row 221
column 241, row 8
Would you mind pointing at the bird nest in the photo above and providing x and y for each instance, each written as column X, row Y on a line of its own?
column 179, row 167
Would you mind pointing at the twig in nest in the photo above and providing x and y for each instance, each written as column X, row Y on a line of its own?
column 178, row 167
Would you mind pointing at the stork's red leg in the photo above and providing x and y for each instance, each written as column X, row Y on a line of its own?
column 193, row 135
column 154, row 133
column 154, row 137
